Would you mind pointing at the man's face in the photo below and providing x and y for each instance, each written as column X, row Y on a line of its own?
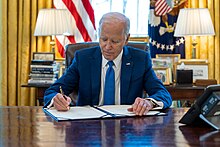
column 112, row 39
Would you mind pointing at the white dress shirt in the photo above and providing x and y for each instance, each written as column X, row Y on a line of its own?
column 117, row 69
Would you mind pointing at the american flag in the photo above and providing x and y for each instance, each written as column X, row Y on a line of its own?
column 162, row 7
column 162, row 41
column 82, row 19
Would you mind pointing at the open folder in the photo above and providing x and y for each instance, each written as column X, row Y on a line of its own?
column 95, row 112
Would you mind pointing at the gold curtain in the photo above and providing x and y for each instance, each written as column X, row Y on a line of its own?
column 17, row 24
column 208, row 47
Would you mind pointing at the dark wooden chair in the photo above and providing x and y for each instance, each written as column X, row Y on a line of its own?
column 72, row 48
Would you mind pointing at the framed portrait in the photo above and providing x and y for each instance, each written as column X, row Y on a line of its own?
column 163, row 73
column 156, row 62
column 174, row 58
column 44, row 56
column 200, row 69
column 193, row 61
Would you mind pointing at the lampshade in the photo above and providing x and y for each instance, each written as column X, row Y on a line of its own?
column 53, row 22
column 194, row 22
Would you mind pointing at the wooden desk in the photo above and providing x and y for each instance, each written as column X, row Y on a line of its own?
column 30, row 126
column 185, row 92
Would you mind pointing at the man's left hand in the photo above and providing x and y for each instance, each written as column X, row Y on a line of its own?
column 141, row 106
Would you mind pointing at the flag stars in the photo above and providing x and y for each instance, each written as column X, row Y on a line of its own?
column 182, row 40
column 154, row 42
column 177, row 42
column 171, row 47
column 163, row 46
column 158, row 45
column 166, row 47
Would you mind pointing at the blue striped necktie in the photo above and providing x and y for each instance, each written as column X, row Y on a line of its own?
column 109, row 89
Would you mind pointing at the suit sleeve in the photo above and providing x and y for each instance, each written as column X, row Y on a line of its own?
column 154, row 87
column 68, row 81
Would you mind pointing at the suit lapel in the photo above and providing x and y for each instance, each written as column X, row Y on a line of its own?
column 95, row 65
column 126, row 72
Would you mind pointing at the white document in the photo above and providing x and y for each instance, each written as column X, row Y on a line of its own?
column 88, row 112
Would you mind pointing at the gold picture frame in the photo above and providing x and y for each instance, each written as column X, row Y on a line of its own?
column 47, row 56
column 174, row 58
column 193, row 61
column 157, row 62
column 163, row 74
column 139, row 39
column 199, row 67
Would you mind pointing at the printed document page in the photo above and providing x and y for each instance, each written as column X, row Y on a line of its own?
column 121, row 110
column 85, row 112
column 88, row 112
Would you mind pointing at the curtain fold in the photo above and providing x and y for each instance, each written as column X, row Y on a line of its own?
column 17, row 43
column 3, row 52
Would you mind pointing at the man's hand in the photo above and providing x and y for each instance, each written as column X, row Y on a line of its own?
column 61, row 102
column 141, row 106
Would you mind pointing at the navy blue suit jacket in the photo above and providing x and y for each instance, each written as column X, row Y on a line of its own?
column 84, row 74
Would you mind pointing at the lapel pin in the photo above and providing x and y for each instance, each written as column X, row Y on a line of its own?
column 128, row 63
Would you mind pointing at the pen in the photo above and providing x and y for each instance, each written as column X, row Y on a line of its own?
column 61, row 91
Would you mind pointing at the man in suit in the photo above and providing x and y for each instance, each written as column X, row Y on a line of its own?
column 132, row 70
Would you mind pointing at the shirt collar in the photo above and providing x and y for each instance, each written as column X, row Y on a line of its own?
column 116, row 61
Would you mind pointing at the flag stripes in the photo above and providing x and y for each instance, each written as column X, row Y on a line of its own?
column 161, row 7
column 82, row 19
column 79, row 22
column 90, row 11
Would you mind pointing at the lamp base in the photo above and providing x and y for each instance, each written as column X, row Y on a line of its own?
column 194, row 43
column 52, row 43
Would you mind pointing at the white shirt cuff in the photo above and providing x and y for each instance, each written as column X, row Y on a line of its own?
column 159, row 103
column 51, row 104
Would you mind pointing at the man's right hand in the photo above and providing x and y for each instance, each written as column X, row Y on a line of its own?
column 61, row 102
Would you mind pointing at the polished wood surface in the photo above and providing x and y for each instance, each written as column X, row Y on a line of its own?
column 31, row 127
column 178, row 92
column 185, row 92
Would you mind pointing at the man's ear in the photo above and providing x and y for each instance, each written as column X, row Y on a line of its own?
column 128, row 36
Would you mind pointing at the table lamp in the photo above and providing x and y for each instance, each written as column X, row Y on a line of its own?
column 51, row 22
column 194, row 22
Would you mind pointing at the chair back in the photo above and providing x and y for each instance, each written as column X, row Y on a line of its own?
column 72, row 48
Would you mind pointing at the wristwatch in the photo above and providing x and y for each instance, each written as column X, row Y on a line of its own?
column 153, row 103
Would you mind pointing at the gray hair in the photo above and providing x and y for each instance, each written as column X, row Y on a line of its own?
column 117, row 16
